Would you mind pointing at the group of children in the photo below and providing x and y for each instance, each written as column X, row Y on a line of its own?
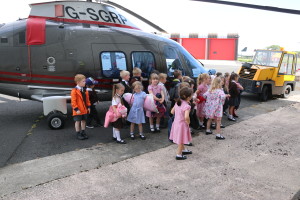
column 202, row 108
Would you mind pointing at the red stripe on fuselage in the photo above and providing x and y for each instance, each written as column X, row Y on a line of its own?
column 24, row 75
column 83, row 21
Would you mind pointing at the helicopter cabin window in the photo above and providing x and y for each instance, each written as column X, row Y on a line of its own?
column 22, row 37
column 172, row 60
column 112, row 64
column 4, row 40
column 144, row 61
column 286, row 67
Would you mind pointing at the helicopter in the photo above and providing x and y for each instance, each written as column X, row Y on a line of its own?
column 40, row 55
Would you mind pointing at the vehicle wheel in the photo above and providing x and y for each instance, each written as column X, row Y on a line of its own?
column 56, row 120
column 264, row 95
column 287, row 91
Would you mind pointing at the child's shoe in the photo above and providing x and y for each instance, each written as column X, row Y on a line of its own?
column 121, row 141
column 132, row 136
column 222, row 126
column 143, row 137
column 157, row 130
column 80, row 136
column 185, row 152
column 84, row 135
column 220, row 137
column 182, row 157
column 208, row 132
column 152, row 130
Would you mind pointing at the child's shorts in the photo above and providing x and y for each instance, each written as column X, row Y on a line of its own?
column 80, row 117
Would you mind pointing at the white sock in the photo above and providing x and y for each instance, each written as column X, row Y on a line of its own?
column 151, row 126
column 118, row 135
column 218, row 135
column 131, row 133
column 114, row 132
column 208, row 130
column 201, row 123
column 157, row 126
column 230, row 116
column 179, row 155
column 141, row 133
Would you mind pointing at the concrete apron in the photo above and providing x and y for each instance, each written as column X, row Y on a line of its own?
column 258, row 160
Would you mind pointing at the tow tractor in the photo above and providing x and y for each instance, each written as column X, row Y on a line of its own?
column 271, row 73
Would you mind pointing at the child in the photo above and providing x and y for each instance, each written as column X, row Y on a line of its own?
column 162, row 81
column 203, row 82
column 180, row 132
column 80, row 105
column 226, row 91
column 157, row 91
column 125, row 75
column 174, row 87
column 136, row 114
column 137, row 75
column 118, row 91
column 90, row 84
column 234, row 92
column 215, row 98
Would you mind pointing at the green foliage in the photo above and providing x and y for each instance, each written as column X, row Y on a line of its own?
column 273, row 47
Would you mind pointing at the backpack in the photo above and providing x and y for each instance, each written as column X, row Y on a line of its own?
column 174, row 92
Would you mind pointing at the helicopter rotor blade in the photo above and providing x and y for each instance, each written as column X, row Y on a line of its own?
column 268, row 8
column 136, row 15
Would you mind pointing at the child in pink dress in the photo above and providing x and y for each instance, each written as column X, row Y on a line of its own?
column 155, row 89
column 180, row 131
column 203, row 85
column 215, row 98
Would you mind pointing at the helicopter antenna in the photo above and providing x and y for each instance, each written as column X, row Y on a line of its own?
column 135, row 15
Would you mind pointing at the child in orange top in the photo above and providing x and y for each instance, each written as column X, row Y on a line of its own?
column 80, row 105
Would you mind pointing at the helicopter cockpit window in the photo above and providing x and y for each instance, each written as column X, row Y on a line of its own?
column 113, row 63
column 144, row 61
column 194, row 66
column 172, row 60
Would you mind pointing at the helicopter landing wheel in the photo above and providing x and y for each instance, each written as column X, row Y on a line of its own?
column 56, row 120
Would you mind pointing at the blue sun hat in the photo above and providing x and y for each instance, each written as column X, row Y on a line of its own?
column 212, row 72
column 90, row 81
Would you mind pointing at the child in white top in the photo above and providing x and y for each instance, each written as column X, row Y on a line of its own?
column 118, row 91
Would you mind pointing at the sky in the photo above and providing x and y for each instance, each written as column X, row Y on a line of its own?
column 256, row 28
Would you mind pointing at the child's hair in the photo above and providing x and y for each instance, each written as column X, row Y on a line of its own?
column 78, row 77
column 184, row 93
column 137, row 83
column 185, row 78
column 189, row 81
column 233, row 76
column 124, row 73
column 177, row 73
column 136, row 71
column 226, row 74
column 162, row 76
column 216, row 84
column 183, row 84
column 201, row 78
column 219, row 74
column 153, row 76
column 117, row 87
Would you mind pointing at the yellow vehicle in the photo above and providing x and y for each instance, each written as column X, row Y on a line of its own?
column 271, row 73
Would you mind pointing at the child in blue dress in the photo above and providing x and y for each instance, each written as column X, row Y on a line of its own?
column 136, row 114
